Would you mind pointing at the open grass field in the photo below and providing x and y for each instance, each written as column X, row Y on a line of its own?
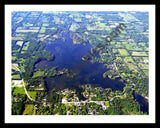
column 128, row 59
column 123, row 52
column 34, row 28
column 16, row 77
column 15, row 72
column 42, row 30
column 45, row 24
column 20, row 43
column 139, row 54
column 20, row 35
column 25, row 46
column 28, row 109
column 19, row 90
column 32, row 94
column 132, row 66
column 38, row 73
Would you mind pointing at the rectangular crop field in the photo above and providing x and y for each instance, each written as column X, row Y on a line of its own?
column 139, row 54
column 123, row 52
column 28, row 109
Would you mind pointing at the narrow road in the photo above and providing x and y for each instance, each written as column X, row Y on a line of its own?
column 24, row 84
column 27, row 92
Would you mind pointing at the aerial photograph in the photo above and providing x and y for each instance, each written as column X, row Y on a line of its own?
column 79, row 63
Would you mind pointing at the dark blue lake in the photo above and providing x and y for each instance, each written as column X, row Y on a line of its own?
column 144, row 105
column 69, row 55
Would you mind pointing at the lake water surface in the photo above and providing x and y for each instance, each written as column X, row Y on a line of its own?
column 144, row 105
column 68, row 55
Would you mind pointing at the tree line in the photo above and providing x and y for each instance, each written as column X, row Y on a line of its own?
column 32, row 55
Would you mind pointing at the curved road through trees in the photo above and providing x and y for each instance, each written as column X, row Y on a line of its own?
column 24, row 84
